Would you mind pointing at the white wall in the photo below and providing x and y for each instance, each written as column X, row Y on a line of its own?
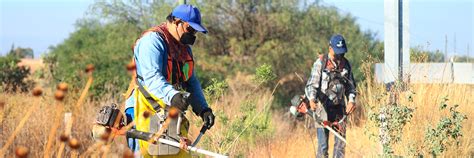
column 461, row 73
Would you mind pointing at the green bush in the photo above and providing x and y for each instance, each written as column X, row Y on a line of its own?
column 447, row 131
column 107, row 47
column 14, row 78
column 264, row 74
column 390, row 119
column 216, row 89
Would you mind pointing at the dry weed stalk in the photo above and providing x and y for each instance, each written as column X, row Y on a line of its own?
column 2, row 106
column 36, row 92
column 131, row 67
column 59, row 96
column 74, row 144
column 76, row 108
column 92, row 148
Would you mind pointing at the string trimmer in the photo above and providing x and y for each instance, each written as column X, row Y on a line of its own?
column 300, row 107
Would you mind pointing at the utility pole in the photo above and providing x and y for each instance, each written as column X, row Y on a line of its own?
column 467, row 59
column 396, row 40
column 446, row 48
column 400, row 40
column 396, row 58
column 454, row 44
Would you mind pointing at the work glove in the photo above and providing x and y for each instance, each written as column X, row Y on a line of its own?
column 208, row 118
column 180, row 101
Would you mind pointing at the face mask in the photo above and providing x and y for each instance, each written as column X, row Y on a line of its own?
column 187, row 38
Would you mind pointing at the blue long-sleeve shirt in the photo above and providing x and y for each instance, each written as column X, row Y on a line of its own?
column 150, row 55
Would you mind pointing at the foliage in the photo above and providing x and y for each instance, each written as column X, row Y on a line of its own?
column 14, row 78
column 216, row 89
column 242, row 35
column 283, row 34
column 264, row 74
column 107, row 47
column 248, row 123
column 463, row 58
column 447, row 131
column 390, row 119
column 280, row 33
column 20, row 52
column 419, row 55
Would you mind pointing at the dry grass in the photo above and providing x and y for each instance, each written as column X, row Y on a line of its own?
column 240, row 91
column 34, row 134
column 297, row 142
column 34, row 64
column 288, row 139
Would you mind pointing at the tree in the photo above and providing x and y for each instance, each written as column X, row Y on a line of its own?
column 245, row 34
column 419, row 55
column 20, row 52
column 242, row 35
column 13, row 78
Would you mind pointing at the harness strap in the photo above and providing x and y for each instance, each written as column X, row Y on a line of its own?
column 147, row 95
column 324, row 59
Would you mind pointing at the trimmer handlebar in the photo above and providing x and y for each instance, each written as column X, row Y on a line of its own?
column 133, row 133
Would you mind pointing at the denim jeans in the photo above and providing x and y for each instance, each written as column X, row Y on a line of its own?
column 323, row 136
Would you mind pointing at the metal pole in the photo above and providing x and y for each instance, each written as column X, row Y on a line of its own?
column 146, row 136
column 454, row 44
column 400, row 40
column 446, row 48
column 467, row 59
column 191, row 148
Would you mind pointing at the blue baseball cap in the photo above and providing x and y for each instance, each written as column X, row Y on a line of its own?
column 191, row 15
column 338, row 44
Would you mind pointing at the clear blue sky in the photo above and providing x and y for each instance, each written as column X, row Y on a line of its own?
column 38, row 24
column 41, row 23
column 430, row 21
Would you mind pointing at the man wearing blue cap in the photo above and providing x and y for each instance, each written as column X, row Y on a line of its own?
column 165, row 79
column 331, row 81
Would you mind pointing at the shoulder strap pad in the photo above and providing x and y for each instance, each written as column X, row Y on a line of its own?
column 324, row 60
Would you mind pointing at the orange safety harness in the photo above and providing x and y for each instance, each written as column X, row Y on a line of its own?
column 180, row 63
